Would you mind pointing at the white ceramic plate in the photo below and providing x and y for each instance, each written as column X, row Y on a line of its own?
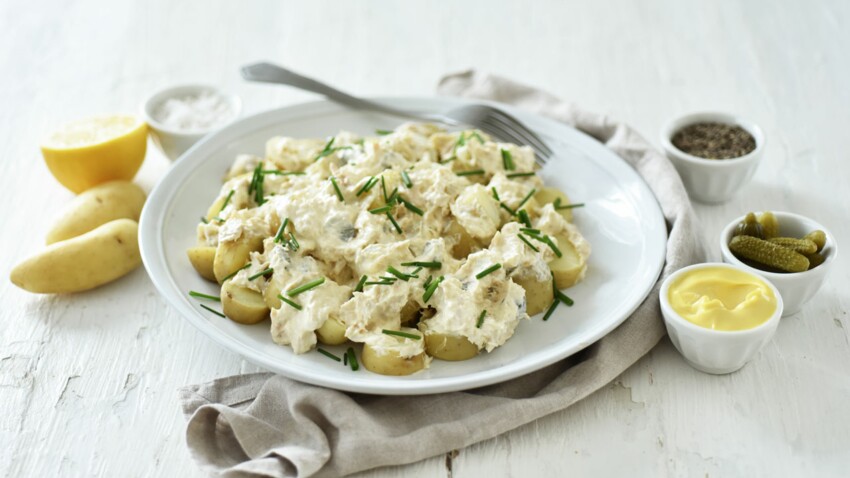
column 622, row 221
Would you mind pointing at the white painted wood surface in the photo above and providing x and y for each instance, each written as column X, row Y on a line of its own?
column 87, row 382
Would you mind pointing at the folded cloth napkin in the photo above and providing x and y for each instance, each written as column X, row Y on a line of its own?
column 267, row 425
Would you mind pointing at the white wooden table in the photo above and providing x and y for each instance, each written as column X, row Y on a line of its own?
column 87, row 382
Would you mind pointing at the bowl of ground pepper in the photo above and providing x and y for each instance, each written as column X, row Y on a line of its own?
column 716, row 154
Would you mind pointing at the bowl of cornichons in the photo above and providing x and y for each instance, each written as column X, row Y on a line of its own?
column 716, row 154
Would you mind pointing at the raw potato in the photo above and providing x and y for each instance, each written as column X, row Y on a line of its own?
column 84, row 262
column 243, row 305
column 569, row 268
column 449, row 347
column 548, row 195
column 538, row 294
column 202, row 259
column 391, row 363
column 97, row 206
column 232, row 255
column 332, row 332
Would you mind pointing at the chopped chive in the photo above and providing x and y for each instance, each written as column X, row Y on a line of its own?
column 261, row 273
column 551, row 244
column 448, row 160
column 218, row 219
column 383, row 132
column 528, row 243
column 522, row 214
column 406, row 180
column 488, row 271
column 563, row 298
column 473, row 172
column 395, row 224
column 360, row 284
column 428, row 282
column 477, row 136
column 520, row 175
column 213, row 311
column 328, row 354
column 279, row 236
column 461, row 140
column 569, row 206
column 393, row 196
column 507, row 160
column 367, row 185
column 526, row 198
column 480, row 320
column 336, row 189
column 293, row 242
column 530, row 230
column 495, row 194
column 381, row 210
column 432, row 287
column 401, row 275
column 415, row 272
column 551, row 309
column 399, row 333
column 410, row 206
column 327, row 149
column 278, row 172
column 204, row 220
column 226, row 200
column 378, row 282
column 345, row 360
column 388, row 278
column 254, row 176
column 506, row 208
column 230, row 276
column 384, row 189
column 352, row 359
column 199, row 295
column 289, row 302
column 428, row 265
column 304, row 288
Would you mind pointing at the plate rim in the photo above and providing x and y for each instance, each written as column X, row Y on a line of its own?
column 152, row 250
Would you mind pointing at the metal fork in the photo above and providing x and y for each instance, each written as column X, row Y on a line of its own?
column 492, row 121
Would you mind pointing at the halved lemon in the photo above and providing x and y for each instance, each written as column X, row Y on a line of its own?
column 87, row 152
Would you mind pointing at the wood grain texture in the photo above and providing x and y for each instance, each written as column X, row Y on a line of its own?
column 88, row 381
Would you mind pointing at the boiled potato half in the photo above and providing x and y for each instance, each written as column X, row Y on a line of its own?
column 243, row 305
column 465, row 245
column 548, row 195
column 83, row 262
column 569, row 268
column 332, row 332
column 449, row 347
column 538, row 293
column 202, row 259
column 232, row 255
column 389, row 362
column 97, row 206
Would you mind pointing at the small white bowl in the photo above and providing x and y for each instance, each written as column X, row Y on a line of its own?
column 716, row 351
column 172, row 141
column 796, row 287
column 712, row 180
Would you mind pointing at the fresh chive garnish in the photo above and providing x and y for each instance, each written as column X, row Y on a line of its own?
column 384, row 189
column 278, row 172
column 480, row 320
column 279, row 236
column 520, row 175
column 551, row 309
column 328, row 354
column 383, row 132
column 406, row 180
column 327, row 149
column 367, row 185
column 261, row 273
column 495, row 194
column 473, row 172
column 526, row 198
column 428, row 282
column 230, row 276
column 548, row 241
column 563, row 298
column 522, row 214
column 199, row 295
column 427, row 265
column 388, row 278
column 296, row 305
column 399, row 333
column 530, row 230
column 393, row 196
column 448, row 160
column 528, row 243
column 213, row 311
column 226, row 200
column 381, row 210
column 432, row 287
column 477, row 136
column 336, row 189
column 395, row 224
column 411, row 207
column 507, row 160
column 488, row 271
column 256, row 173
column 378, row 282
column 345, row 359
column 415, row 272
column 204, row 220
column 401, row 275
column 506, row 208
column 461, row 140
column 568, row 206
column 352, row 359
column 218, row 219
column 304, row 288
column 360, row 284
column 293, row 242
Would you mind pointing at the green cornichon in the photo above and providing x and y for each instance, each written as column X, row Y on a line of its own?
column 818, row 237
column 769, row 224
column 750, row 227
column 803, row 246
column 768, row 254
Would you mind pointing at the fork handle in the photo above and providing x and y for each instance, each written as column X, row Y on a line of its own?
column 271, row 73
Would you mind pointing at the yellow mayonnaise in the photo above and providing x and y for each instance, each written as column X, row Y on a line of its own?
column 722, row 298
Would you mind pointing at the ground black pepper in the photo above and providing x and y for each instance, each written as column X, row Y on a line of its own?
column 714, row 140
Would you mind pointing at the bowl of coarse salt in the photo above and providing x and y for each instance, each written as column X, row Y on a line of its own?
column 181, row 115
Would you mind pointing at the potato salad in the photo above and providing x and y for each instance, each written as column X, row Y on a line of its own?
column 416, row 244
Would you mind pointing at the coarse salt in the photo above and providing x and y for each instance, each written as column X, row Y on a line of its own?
column 194, row 112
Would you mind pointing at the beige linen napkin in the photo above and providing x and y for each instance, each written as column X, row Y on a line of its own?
column 267, row 425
